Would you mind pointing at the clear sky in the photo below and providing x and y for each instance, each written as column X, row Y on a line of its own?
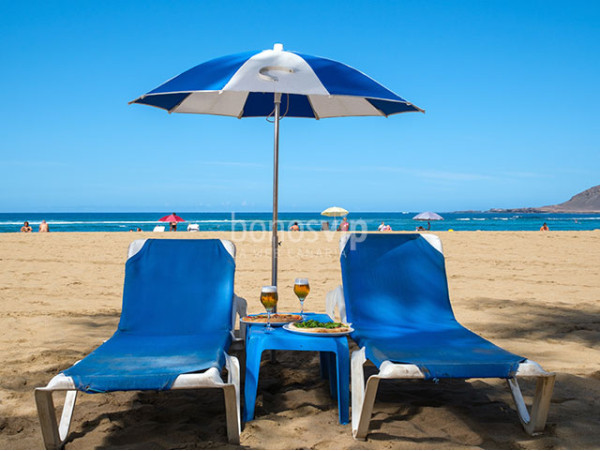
column 511, row 90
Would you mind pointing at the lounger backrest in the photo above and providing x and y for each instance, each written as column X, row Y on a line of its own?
column 178, row 287
column 394, row 280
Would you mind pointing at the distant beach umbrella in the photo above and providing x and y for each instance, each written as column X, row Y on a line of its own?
column 334, row 211
column 428, row 216
column 275, row 83
column 172, row 218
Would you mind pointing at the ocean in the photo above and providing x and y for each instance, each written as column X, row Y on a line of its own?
column 458, row 221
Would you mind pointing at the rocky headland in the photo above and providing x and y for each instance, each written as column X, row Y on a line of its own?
column 587, row 201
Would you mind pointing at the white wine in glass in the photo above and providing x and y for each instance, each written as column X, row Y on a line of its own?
column 268, row 298
column 301, row 289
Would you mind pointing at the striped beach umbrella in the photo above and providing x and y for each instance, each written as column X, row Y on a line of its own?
column 275, row 83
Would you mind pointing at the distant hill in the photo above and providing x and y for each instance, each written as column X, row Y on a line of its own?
column 587, row 201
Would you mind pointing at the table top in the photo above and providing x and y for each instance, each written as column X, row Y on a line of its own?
column 281, row 337
column 323, row 317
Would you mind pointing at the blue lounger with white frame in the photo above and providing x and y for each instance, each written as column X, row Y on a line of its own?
column 175, row 329
column 395, row 295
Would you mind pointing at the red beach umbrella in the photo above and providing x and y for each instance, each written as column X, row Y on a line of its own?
column 172, row 218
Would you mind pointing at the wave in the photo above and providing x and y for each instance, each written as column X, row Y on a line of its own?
column 115, row 222
column 587, row 218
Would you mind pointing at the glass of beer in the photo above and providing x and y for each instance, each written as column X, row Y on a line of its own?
column 268, row 298
column 301, row 289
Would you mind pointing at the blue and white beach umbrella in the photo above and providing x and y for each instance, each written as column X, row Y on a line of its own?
column 276, row 83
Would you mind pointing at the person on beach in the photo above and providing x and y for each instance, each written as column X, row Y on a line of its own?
column 381, row 226
column 544, row 227
column 344, row 226
column 26, row 227
column 324, row 225
column 173, row 225
column 43, row 226
column 295, row 227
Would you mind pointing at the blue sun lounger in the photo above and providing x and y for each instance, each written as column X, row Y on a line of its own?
column 176, row 326
column 395, row 295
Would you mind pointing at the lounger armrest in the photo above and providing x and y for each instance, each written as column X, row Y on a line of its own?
column 335, row 298
column 531, row 368
column 60, row 382
column 240, row 309
column 208, row 378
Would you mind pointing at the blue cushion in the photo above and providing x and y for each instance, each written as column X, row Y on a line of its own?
column 397, row 300
column 176, row 318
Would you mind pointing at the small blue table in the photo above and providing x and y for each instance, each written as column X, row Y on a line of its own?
column 334, row 353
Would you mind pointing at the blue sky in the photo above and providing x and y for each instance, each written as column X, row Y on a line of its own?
column 511, row 90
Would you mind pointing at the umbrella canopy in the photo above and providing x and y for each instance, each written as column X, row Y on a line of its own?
column 275, row 83
column 244, row 84
column 172, row 218
column 334, row 211
column 428, row 216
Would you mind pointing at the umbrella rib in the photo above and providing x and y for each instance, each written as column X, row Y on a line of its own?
column 317, row 117
column 241, row 114
column 179, row 103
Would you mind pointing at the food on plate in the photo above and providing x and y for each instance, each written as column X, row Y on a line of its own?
column 275, row 318
column 320, row 327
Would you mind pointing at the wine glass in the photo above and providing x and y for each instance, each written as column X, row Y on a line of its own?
column 301, row 289
column 268, row 298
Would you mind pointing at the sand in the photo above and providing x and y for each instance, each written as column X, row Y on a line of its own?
column 536, row 294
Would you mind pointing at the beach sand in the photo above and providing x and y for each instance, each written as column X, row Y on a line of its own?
column 536, row 294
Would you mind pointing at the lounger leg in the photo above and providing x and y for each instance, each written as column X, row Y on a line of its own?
column 363, row 397
column 534, row 423
column 54, row 434
column 232, row 400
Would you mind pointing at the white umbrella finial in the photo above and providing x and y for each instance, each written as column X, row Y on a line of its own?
column 278, row 47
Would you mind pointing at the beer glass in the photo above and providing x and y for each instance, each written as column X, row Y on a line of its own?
column 301, row 289
column 268, row 298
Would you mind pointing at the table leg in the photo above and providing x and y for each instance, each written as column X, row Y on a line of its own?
column 324, row 364
column 333, row 375
column 253, row 356
column 343, row 383
column 328, row 371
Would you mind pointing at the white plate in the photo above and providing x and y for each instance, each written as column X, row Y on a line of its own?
column 317, row 334
column 273, row 323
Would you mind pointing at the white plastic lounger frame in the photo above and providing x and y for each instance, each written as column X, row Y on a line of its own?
column 55, row 433
column 363, row 395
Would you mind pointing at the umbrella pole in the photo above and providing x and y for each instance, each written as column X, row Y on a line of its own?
column 274, row 242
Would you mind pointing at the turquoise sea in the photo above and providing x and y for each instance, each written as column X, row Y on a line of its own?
column 122, row 222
